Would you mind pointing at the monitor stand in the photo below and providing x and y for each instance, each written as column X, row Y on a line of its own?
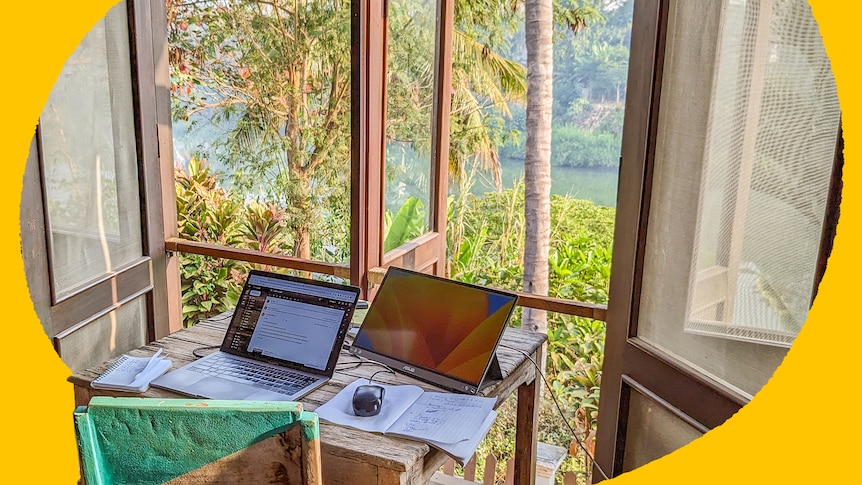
column 493, row 375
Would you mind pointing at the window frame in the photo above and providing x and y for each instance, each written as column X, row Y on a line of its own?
column 368, row 263
column 148, row 275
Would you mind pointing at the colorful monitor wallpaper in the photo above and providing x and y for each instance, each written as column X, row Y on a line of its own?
column 438, row 325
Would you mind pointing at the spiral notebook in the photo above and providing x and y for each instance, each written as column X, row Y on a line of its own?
column 132, row 374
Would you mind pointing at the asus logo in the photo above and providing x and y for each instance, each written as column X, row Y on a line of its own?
column 409, row 369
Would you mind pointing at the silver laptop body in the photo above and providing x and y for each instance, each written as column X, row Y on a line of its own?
column 282, row 343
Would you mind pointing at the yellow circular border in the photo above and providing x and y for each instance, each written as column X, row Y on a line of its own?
column 802, row 427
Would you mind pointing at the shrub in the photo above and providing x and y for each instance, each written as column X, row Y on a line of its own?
column 207, row 212
column 575, row 147
column 486, row 247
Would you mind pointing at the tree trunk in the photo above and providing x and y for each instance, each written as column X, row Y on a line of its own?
column 537, row 162
column 302, row 243
column 301, row 215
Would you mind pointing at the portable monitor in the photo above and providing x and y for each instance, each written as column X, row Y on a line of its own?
column 440, row 331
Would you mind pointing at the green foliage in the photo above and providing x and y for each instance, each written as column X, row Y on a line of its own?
column 207, row 212
column 575, row 147
column 581, row 270
column 276, row 76
column 486, row 238
column 485, row 83
column 486, row 246
column 265, row 228
column 593, row 63
column 408, row 224
column 576, row 15
column 575, row 357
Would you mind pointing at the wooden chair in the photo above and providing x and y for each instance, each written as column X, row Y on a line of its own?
column 185, row 441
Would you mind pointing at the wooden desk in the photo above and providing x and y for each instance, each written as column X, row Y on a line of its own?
column 356, row 457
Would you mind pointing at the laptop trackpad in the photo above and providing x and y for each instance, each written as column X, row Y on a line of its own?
column 215, row 388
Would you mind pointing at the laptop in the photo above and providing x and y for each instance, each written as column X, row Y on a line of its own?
column 282, row 342
column 438, row 330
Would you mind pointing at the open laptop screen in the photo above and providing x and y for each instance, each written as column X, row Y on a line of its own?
column 438, row 330
column 291, row 321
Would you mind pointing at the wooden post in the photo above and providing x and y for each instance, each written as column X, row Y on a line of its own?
column 527, row 427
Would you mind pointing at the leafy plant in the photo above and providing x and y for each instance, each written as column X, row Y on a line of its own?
column 407, row 224
column 576, row 147
column 207, row 212
column 485, row 245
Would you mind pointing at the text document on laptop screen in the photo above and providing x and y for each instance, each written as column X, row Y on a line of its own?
column 288, row 320
column 446, row 327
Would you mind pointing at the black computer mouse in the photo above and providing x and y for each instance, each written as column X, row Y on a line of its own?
column 367, row 400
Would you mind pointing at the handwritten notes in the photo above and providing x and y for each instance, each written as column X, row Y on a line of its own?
column 455, row 423
column 444, row 417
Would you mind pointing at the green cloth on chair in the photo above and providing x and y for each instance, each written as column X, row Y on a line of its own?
column 151, row 440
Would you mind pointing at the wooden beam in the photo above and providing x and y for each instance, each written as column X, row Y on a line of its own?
column 559, row 305
column 374, row 275
column 259, row 257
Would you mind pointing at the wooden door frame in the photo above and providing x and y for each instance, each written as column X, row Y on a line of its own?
column 148, row 44
column 366, row 104
column 631, row 363
column 149, row 275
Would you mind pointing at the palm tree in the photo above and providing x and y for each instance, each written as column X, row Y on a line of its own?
column 480, row 77
column 539, row 23
column 539, row 28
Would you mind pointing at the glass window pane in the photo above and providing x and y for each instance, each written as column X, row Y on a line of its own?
column 653, row 431
column 409, row 102
column 744, row 157
column 89, row 159
column 260, row 97
column 119, row 331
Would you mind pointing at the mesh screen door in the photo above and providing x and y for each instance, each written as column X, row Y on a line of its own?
column 768, row 160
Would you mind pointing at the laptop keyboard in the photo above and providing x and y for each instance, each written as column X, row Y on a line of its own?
column 283, row 381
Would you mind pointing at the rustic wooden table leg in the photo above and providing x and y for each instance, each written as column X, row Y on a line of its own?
column 525, row 435
column 82, row 396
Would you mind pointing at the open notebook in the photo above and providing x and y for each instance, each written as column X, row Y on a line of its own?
column 454, row 423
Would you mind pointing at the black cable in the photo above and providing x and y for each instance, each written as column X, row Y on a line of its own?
column 362, row 360
column 560, row 410
column 351, row 366
column 196, row 351
column 221, row 317
column 388, row 369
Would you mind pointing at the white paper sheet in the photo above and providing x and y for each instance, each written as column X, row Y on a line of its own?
column 463, row 450
column 444, row 417
column 454, row 423
column 396, row 400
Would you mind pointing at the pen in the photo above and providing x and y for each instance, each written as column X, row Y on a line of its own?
column 149, row 364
